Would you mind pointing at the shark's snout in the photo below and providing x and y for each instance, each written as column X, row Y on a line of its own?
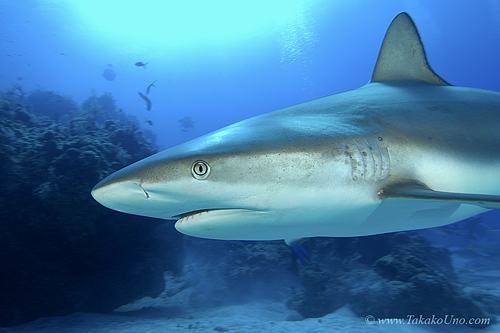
column 121, row 196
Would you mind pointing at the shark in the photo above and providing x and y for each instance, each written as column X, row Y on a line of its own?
column 406, row 151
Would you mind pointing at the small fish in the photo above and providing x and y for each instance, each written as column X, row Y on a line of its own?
column 151, row 85
column 148, row 102
column 109, row 74
column 146, row 120
column 186, row 123
column 141, row 64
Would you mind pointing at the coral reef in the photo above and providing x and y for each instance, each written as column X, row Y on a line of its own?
column 103, row 108
column 106, row 102
column 61, row 251
column 51, row 104
column 385, row 276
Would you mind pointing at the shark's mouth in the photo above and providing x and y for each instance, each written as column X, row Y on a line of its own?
column 201, row 212
column 192, row 213
column 225, row 223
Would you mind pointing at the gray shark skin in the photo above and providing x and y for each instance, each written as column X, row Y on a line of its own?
column 406, row 151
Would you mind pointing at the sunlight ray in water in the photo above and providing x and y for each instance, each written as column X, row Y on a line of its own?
column 180, row 22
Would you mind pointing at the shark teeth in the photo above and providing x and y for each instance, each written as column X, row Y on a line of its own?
column 196, row 213
column 187, row 216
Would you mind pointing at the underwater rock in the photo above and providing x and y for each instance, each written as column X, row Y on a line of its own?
column 47, row 192
column 61, row 251
column 51, row 104
column 490, row 303
column 385, row 276
column 105, row 102
column 324, row 293
column 24, row 116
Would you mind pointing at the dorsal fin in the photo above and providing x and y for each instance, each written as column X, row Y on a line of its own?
column 402, row 56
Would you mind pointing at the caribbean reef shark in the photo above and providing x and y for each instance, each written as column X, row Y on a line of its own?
column 406, row 151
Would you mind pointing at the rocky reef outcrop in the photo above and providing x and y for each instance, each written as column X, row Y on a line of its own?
column 61, row 251
column 397, row 275
column 385, row 276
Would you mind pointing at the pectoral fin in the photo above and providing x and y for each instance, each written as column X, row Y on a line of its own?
column 295, row 242
column 417, row 191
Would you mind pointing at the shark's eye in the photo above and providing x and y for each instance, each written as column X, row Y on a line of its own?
column 200, row 169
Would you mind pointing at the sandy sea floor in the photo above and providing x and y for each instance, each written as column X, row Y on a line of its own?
column 253, row 317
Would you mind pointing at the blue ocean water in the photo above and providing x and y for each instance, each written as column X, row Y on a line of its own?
column 320, row 48
column 210, row 72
